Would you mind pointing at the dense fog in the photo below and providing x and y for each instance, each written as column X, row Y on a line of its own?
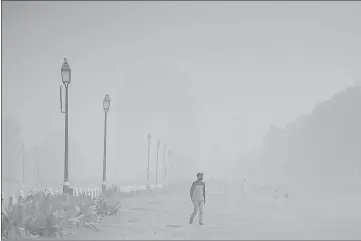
column 223, row 95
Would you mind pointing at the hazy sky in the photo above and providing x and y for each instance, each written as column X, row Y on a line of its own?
column 264, row 62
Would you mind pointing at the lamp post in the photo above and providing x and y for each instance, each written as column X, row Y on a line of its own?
column 37, row 174
column 164, row 163
column 106, row 106
column 23, row 166
column 34, row 165
column 156, row 172
column 149, row 138
column 169, row 162
column 66, row 79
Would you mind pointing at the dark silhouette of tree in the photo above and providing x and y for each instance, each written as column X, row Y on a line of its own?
column 323, row 145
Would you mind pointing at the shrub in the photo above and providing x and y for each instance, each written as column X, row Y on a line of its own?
column 47, row 215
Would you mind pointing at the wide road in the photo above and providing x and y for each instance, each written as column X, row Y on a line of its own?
column 231, row 216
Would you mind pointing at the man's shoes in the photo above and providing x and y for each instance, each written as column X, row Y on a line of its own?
column 201, row 223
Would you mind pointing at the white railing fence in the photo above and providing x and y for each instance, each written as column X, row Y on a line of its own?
column 15, row 190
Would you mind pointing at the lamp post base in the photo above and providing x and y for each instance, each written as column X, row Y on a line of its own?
column 104, row 186
column 67, row 189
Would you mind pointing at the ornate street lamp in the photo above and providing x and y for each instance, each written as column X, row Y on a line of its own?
column 169, row 162
column 106, row 106
column 156, row 172
column 164, row 165
column 149, row 138
column 66, row 79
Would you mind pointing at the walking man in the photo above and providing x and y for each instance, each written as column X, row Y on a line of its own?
column 198, row 197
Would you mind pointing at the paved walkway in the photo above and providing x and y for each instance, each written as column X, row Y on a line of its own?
column 165, row 216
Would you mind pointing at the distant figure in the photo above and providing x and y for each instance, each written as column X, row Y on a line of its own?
column 274, row 193
column 276, row 196
column 286, row 195
column 198, row 197
column 244, row 186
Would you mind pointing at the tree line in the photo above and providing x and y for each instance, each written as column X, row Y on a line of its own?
column 324, row 145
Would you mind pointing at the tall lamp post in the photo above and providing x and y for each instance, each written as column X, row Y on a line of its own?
column 169, row 158
column 34, row 164
column 156, row 173
column 149, row 138
column 66, row 79
column 23, row 166
column 168, row 164
column 164, row 166
column 106, row 106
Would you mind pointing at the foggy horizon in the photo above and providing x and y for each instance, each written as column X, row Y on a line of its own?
column 182, row 71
